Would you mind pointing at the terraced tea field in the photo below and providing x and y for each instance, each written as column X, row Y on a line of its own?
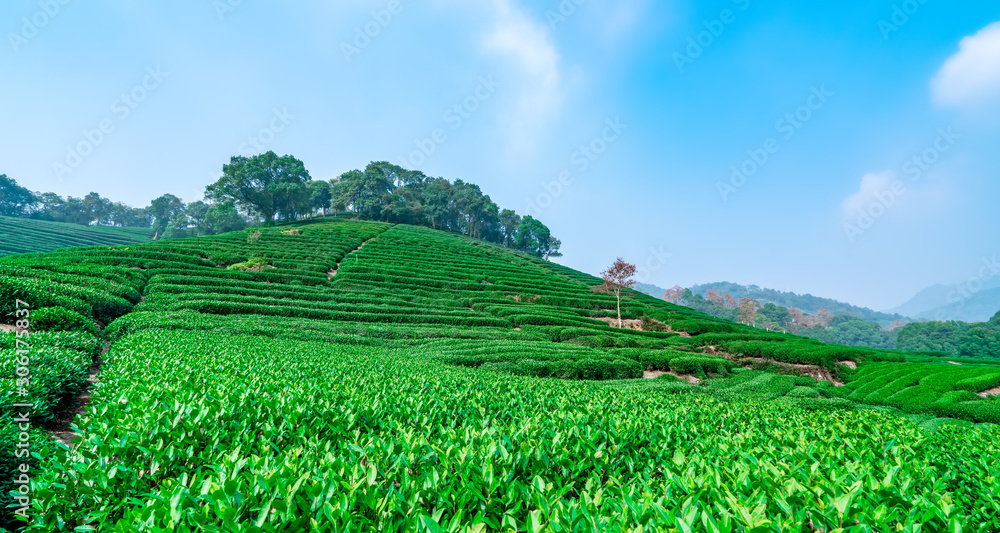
column 22, row 235
column 359, row 376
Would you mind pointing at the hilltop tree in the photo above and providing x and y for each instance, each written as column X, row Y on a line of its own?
column 163, row 209
column 15, row 200
column 223, row 218
column 617, row 278
column 534, row 238
column 264, row 184
column 320, row 196
column 509, row 221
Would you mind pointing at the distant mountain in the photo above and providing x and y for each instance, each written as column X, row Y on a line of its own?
column 954, row 302
column 804, row 302
column 930, row 298
column 651, row 290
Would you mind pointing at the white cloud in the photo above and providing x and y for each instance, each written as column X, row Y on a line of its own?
column 872, row 185
column 528, row 45
column 973, row 74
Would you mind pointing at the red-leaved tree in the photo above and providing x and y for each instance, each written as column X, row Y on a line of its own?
column 674, row 295
column 616, row 279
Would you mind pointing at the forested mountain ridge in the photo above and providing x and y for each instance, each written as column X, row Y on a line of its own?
column 805, row 302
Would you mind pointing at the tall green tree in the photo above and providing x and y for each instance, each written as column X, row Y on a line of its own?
column 223, row 218
column 266, row 185
column 320, row 196
column 15, row 201
column 509, row 222
column 534, row 238
column 163, row 209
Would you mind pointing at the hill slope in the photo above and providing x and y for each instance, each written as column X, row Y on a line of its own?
column 357, row 375
column 22, row 235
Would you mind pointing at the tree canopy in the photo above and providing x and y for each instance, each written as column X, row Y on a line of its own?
column 266, row 188
column 265, row 185
column 14, row 199
column 383, row 191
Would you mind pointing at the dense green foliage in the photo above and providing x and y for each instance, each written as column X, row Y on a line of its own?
column 942, row 389
column 290, row 436
column 851, row 331
column 351, row 375
column 384, row 191
column 954, row 338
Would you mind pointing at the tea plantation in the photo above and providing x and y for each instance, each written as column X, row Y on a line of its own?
column 22, row 235
column 359, row 376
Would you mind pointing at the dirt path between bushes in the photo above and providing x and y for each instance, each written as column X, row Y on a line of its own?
column 333, row 271
column 60, row 426
column 816, row 372
column 653, row 374
column 995, row 391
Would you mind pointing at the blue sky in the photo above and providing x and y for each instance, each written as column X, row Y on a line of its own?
column 618, row 124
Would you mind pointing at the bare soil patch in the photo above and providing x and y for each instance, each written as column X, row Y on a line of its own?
column 627, row 323
column 654, row 374
column 995, row 391
column 60, row 427
column 686, row 377
column 7, row 328
column 953, row 363
column 816, row 372
column 850, row 364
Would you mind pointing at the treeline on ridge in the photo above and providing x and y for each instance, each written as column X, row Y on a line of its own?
column 266, row 188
